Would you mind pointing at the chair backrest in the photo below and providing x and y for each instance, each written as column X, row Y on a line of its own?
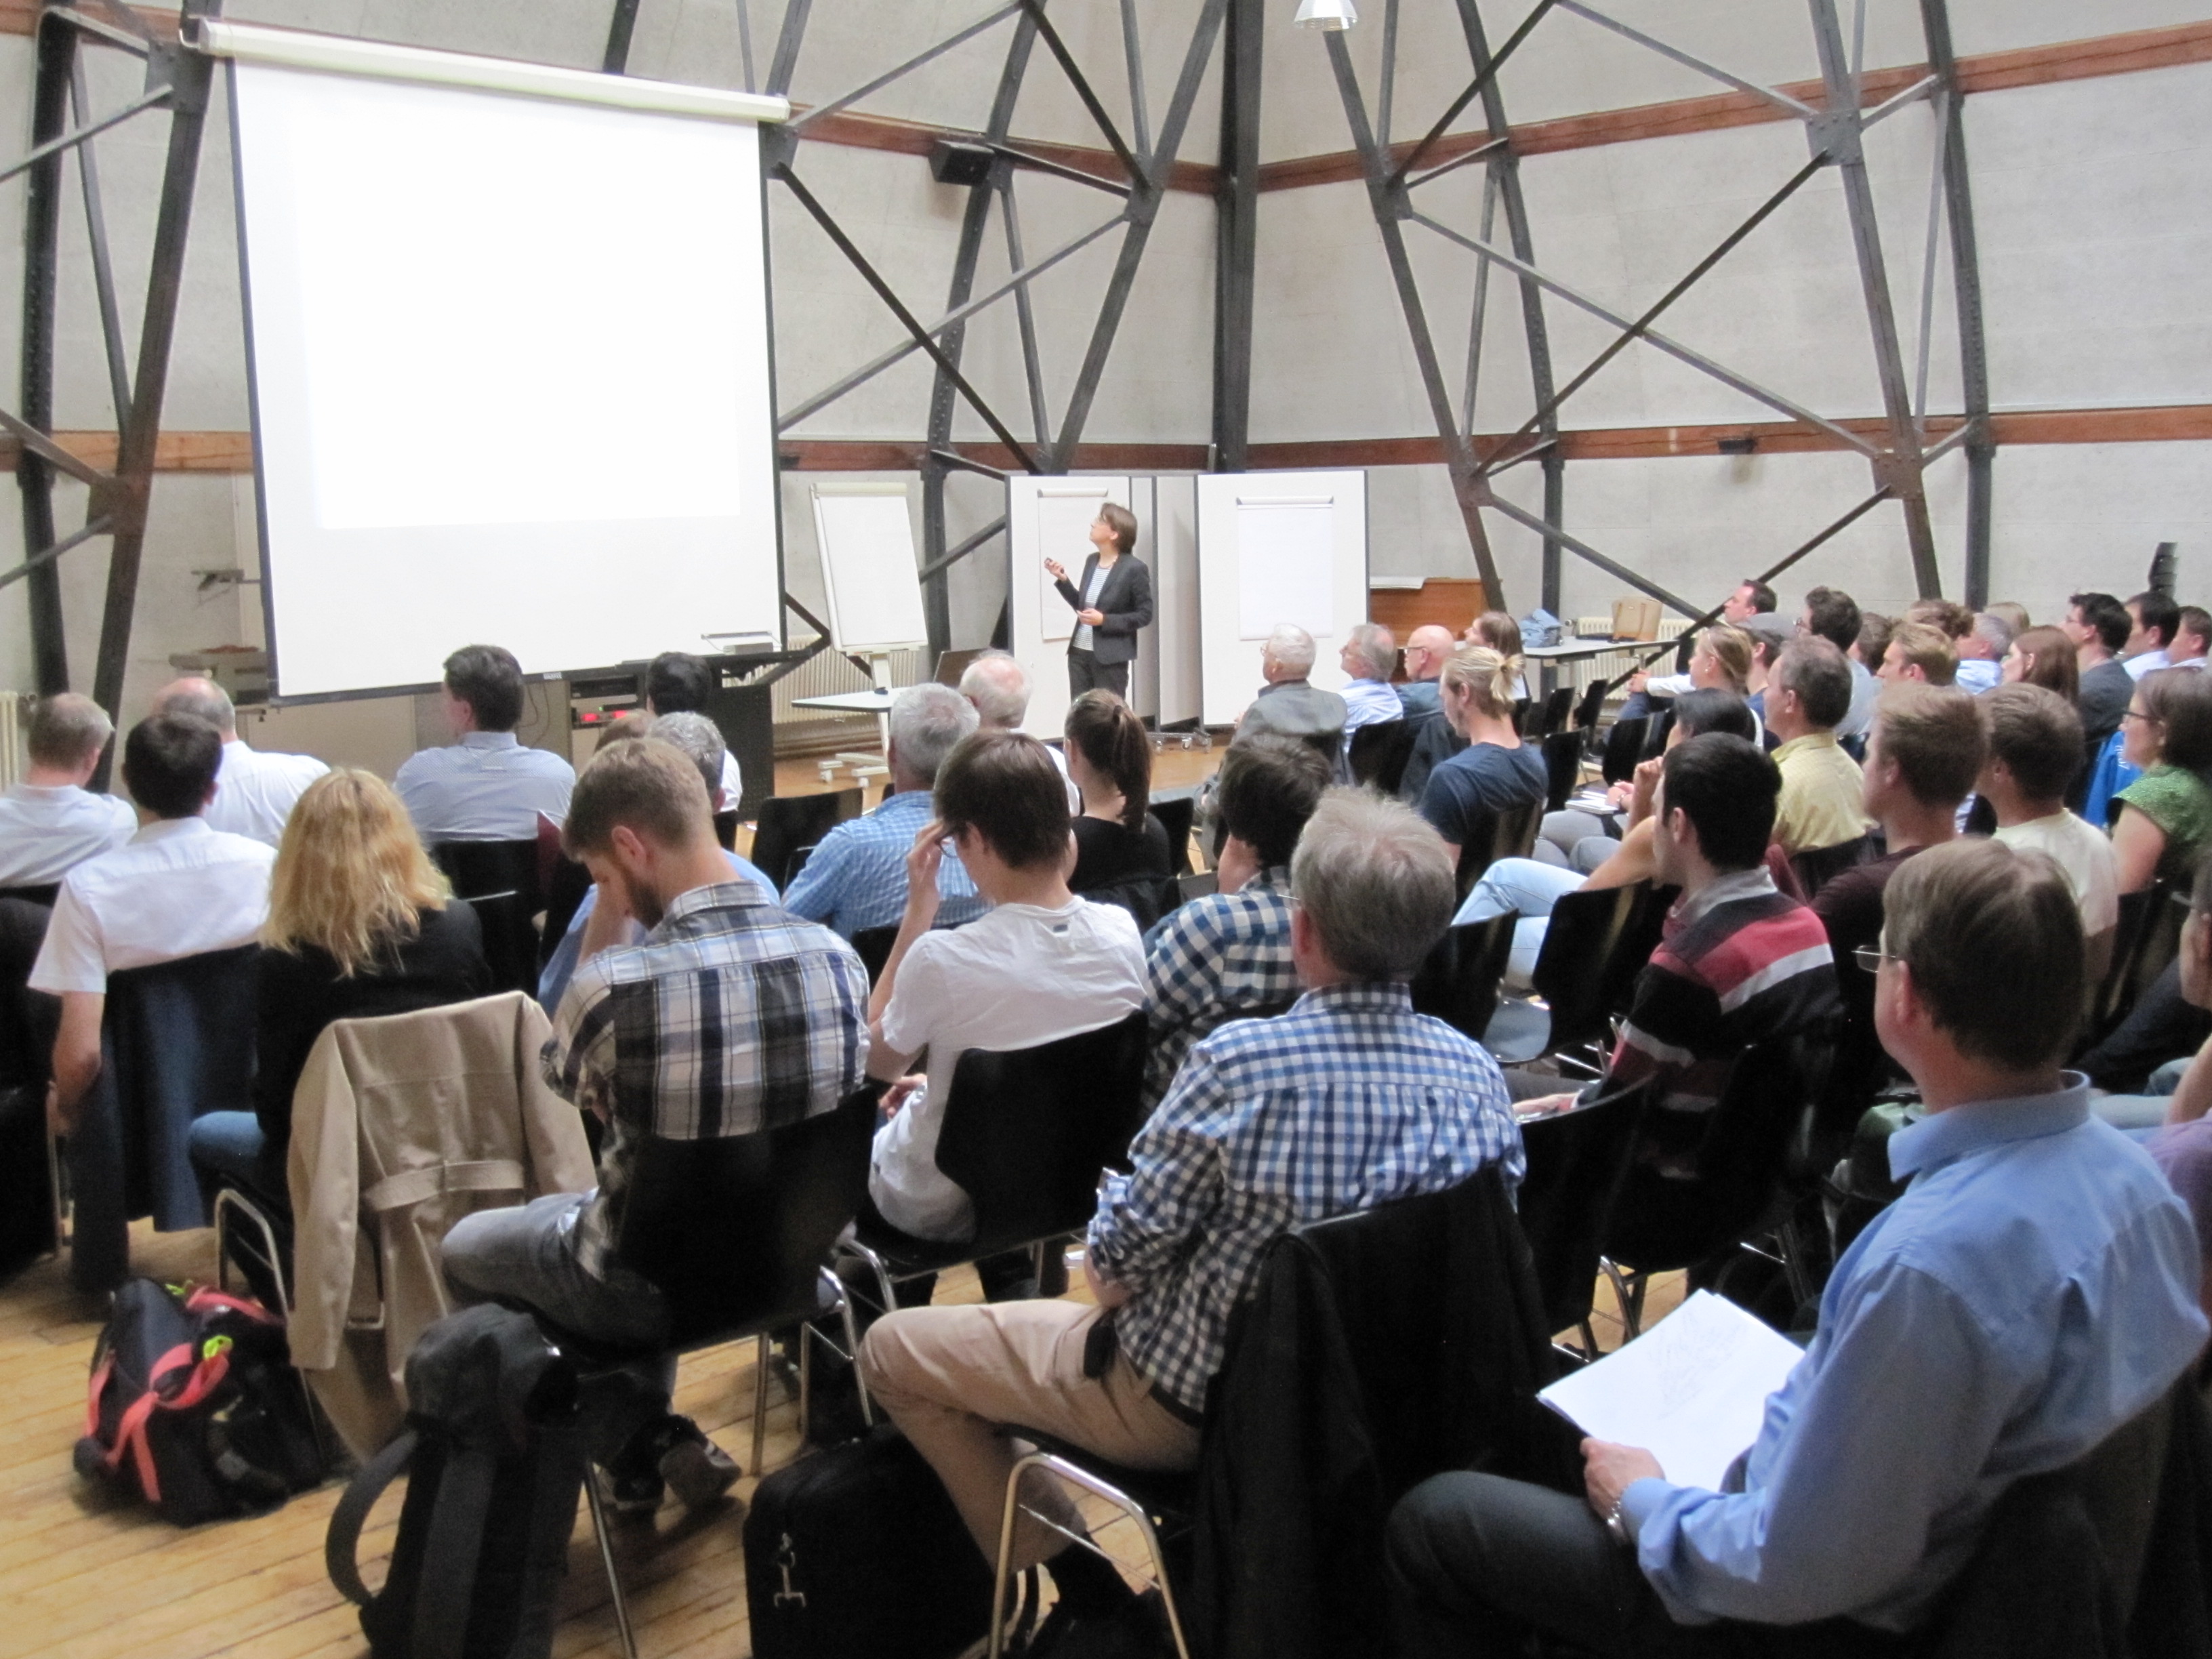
column 1378, row 753
column 1563, row 765
column 564, row 895
column 1822, row 865
column 44, row 894
column 1511, row 834
column 1588, row 711
column 734, row 1231
column 1458, row 983
column 1676, row 1220
column 1557, row 708
column 179, row 1040
column 1586, row 931
column 1176, row 814
column 1198, row 885
column 26, row 1022
column 789, row 823
column 1028, row 1132
column 726, row 829
column 873, row 947
column 2144, row 942
column 1576, row 1163
column 1624, row 747
column 501, row 881
column 1654, row 733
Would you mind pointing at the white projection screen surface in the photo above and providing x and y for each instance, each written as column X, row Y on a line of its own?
column 511, row 377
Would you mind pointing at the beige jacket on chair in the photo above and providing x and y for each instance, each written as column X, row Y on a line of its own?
column 400, row 1126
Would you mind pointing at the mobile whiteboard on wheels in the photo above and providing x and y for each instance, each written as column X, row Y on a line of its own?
column 1276, row 548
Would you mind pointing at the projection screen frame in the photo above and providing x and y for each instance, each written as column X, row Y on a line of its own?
column 234, row 43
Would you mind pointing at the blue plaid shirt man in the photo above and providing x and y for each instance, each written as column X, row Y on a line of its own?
column 1209, row 959
column 731, row 1018
column 856, row 878
column 1348, row 1101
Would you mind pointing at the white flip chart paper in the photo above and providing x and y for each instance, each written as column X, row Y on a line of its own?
column 1692, row 1390
column 1286, row 566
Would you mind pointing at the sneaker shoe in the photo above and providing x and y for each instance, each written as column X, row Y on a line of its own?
column 630, row 1487
column 696, row 1469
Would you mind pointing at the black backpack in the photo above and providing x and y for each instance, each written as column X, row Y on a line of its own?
column 495, row 1459
column 857, row 1554
column 194, row 1406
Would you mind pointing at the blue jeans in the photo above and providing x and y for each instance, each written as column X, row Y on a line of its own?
column 2146, row 1111
column 1529, row 886
column 527, row 1255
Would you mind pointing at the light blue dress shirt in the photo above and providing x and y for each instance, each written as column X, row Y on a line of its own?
column 2033, row 1289
column 856, row 878
column 1367, row 703
column 485, row 788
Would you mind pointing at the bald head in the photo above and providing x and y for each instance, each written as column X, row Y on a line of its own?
column 1428, row 647
column 203, row 697
column 999, row 686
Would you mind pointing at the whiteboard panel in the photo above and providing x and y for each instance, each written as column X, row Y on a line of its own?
column 1273, row 548
column 1044, row 516
column 510, row 377
column 865, row 532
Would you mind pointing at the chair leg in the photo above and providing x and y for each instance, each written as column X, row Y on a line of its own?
column 805, row 1381
column 54, row 1186
column 852, row 1343
column 760, row 1398
column 607, row 1560
column 876, row 1265
column 1627, row 1296
column 1077, row 1476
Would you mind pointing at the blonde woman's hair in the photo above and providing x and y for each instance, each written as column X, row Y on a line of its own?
column 1734, row 650
column 351, row 875
column 1486, row 676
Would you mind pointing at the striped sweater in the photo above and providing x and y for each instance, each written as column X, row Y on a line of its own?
column 1737, row 964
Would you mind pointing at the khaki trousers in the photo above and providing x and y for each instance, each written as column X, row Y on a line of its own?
column 954, row 1379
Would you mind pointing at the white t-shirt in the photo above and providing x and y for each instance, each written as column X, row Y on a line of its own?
column 2086, row 857
column 255, row 791
column 48, row 829
column 1018, row 976
column 177, row 890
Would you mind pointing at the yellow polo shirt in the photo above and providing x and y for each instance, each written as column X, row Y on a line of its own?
column 1822, row 801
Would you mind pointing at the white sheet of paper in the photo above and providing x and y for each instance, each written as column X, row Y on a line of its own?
column 1692, row 1390
column 1285, row 568
column 1064, row 534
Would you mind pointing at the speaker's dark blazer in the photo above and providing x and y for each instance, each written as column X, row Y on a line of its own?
column 1126, row 602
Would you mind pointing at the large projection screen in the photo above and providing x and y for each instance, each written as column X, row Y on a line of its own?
column 510, row 369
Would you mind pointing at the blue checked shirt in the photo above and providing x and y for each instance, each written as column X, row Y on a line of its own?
column 1348, row 1101
column 733, row 1017
column 856, row 878
column 1211, row 958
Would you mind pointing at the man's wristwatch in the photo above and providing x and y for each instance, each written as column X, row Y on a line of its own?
column 1615, row 1525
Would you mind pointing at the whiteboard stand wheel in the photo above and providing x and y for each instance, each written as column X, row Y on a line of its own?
column 829, row 769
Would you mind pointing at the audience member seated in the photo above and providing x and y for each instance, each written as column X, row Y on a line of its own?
column 1752, row 598
column 1982, row 651
column 1833, row 614
column 699, row 738
column 256, row 789
column 2045, row 657
column 1121, row 851
column 1043, row 964
column 2098, row 625
column 1739, row 962
column 2013, row 616
column 1922, row 755
column 2163, row 824
column 2034, row 752
column 1428, row 649
column 1348, row 1101
column 1496, row 772
column 1722, row 660
column 176, row 888
column 1810, row 693
column 2179, row 1091
column 2152, row 618
column 1770, row 635
column 999, row 686
column 731, row 1011
column 1439, row 740
column 2192, row 637
column 1288, row 703
column 1873, row 642
column 1533, row 887
column 1368, row 656
column 49, row 822
column 677, row 683
column 1922, row 651
column 1230, row 950
column 360, row 925
column 857, row 877
column 485, row 785
column 2034, row 1289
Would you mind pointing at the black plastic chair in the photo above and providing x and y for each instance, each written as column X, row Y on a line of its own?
column 1623, row 748
column 1818, row 866
column 1027, row 1135
column 1200, row 885
column 1577, row 1161
column 1734, row 1188
column 787, row 822
column 1591, row 709
column 873, row 945
column 1563, row 766
column 1176, row 814
column 1594, row 944
column 30, row 1193
column 1556, row 709
column 1378, row 754
column 564, row 897
column 502, row 882
column 1511, row 834
column 1458, row 983
column 735, row 1233
column 2145, row 939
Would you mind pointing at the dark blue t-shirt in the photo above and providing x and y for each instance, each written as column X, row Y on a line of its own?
column 1481, row 778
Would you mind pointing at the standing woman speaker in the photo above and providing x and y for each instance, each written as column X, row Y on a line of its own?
column 1115, row 601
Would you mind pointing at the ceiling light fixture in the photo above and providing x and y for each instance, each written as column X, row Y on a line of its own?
column 1332, row 14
